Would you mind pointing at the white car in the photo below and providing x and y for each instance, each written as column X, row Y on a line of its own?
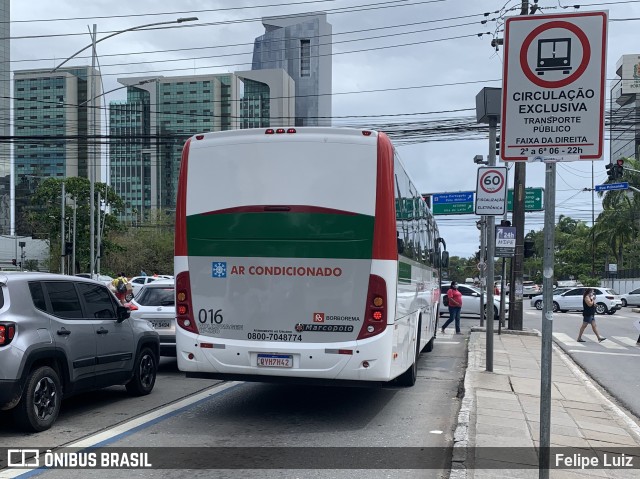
column 137, row 282
column 103, row 278
column 536, row 301
column 156, row 303
column 470, row 300
column 607, row 300
column 631, row 298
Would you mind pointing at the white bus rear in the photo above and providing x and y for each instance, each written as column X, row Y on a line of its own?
column 286, row 259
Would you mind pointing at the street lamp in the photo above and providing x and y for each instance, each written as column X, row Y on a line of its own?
column 92, row 99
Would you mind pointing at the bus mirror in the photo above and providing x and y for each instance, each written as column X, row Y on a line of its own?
column 444, row 262
column 400, row 246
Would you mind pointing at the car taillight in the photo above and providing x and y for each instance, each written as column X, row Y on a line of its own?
column 132, row 307
column 184, row 310
column 7, row 332
column 375, row 315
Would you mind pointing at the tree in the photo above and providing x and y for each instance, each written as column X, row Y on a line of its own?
column 45, row 214
column 148, row 246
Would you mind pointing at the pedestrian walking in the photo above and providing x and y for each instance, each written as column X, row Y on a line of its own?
column 588, row 315
column 454, row 301
column 120, row 286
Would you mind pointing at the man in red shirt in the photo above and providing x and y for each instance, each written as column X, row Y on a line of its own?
column 455, row 305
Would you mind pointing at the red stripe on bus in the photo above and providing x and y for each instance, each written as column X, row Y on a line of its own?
column 279, row 209
column 180, row 240
column 385, row 245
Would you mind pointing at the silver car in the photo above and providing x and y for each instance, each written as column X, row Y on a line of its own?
column 631, row 298
column 470, row 300
column 156, row 303
column 60, row 335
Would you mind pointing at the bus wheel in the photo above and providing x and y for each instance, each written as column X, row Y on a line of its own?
column 408, row 378
column 429, row 347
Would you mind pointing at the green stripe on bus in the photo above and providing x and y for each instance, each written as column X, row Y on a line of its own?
column 280, row 235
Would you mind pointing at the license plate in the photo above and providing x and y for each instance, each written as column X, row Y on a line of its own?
column 161, row 324
column 275, row 360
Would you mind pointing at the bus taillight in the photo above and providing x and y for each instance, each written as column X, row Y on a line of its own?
column 375, row 316
column 184, row 310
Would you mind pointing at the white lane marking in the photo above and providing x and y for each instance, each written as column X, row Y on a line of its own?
column 625, row 340
column 602, row 352
column 607, row 343
column 435, row 432
column 448, row 342
column 129, row 425
column 568, row 340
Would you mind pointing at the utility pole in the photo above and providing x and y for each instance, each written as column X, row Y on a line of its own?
column 519, row 180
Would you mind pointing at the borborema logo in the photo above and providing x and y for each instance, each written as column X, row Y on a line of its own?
column 219, row 269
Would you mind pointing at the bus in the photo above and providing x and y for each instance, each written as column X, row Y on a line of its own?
column 303, row 255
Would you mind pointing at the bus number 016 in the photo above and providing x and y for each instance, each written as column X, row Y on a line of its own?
column 209, row 315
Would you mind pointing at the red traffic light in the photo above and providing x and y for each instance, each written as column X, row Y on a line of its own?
column 620, row 162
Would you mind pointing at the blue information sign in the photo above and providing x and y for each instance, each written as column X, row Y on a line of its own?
column 613, row 186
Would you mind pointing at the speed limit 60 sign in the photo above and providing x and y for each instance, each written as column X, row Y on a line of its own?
column 491, row 190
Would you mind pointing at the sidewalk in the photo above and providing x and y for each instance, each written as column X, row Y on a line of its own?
column 501, row 409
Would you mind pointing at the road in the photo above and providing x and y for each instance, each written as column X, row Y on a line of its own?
column 217, row 414
column 612, row 363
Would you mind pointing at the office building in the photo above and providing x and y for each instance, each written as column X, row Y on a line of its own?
column 300, row 45
column 624, row 116
column 5, row 130
column 149, row 129
column 55, row 128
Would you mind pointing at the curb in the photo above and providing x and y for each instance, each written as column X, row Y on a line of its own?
column 524, row 332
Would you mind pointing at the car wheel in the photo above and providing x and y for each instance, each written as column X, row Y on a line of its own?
column 624, row 302
column 601, row 308
column 556, row 307
column 144, row 374
column 40, row 403
column 538, row 304
column 496, row 313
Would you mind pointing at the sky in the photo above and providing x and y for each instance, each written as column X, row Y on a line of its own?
column 407, row 66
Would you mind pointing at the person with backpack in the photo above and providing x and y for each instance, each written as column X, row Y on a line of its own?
column 120, row 286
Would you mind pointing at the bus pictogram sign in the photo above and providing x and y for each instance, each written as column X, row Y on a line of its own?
column 553, row 87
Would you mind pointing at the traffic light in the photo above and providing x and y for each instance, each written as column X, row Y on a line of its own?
column 497, row 146
column 619, row 168
column 14, row 262
column 68, row 248
column 611, row 171
column 529, row 248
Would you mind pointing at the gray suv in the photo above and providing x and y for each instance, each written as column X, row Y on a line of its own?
column 60, row 335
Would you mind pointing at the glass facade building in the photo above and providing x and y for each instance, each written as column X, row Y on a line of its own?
column 5, row 130
column 624, row 109
column 301, row 46
column 149, row 129
column 54, row 132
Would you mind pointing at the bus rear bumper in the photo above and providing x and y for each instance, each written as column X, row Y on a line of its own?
column 366, row 360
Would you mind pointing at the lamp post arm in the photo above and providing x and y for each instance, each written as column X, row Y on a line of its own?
column 179, row 20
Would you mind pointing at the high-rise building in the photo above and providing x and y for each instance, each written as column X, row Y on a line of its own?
column 149, row 129
column 5, row 130
column 56, row 134
column 300, row 45
column 624, row 119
